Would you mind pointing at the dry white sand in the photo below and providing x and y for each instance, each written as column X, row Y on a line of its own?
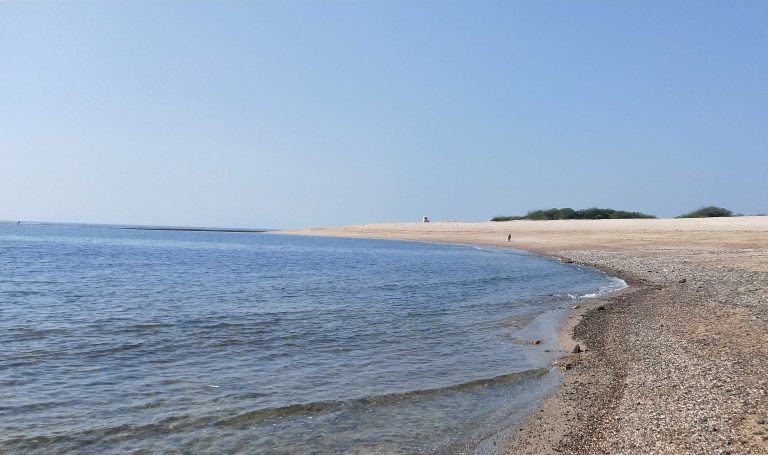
column 553, row 236
column 734, row 232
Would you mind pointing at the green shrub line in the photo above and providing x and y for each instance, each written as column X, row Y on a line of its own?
column 707, row 212
column 595, row 213
column 567, row 213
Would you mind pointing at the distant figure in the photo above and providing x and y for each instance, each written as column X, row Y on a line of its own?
column 425, row 220
column 509, row 237
column 18, row 224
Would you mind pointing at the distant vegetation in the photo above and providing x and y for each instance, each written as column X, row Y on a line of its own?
column 570, row 214
column 707, row 212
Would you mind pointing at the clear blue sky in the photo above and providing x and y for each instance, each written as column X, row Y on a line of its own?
column 299, row 113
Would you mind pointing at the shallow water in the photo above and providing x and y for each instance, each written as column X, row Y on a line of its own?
column 123, row 340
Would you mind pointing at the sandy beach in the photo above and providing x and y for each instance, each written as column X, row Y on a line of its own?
column 677, row 363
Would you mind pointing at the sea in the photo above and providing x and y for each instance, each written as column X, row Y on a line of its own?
column 118, row 341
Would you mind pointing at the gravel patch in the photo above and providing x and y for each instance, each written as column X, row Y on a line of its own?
column 676, row 364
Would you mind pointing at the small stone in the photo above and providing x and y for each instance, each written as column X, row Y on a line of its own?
column 762, row 421
column 536, row 341
column 576, row 307
column 576, row 349
column 681, row 280
column 601, row 308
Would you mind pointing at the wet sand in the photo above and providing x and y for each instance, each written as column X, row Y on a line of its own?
column 677, row 363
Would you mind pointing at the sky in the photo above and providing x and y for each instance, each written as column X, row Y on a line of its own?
column 286, row 114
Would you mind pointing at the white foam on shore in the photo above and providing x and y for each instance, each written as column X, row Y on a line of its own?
column 616, row 284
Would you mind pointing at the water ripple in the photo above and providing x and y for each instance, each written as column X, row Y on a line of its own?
column 124, row 341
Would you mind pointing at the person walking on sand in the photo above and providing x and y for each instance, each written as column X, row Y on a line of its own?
column 509, row 237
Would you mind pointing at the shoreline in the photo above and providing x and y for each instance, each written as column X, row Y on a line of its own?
column 533, row 435
column 675, row 363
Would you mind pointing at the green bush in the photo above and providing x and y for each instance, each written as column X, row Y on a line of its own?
column 593, row 213
column 506, row 218
column 707, row 212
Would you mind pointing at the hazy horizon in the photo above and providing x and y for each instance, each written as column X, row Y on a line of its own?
column 297, row 114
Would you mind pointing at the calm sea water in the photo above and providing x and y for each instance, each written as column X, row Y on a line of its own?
column 121, row 341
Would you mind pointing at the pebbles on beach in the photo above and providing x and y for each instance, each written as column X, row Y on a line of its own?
column 678, row 363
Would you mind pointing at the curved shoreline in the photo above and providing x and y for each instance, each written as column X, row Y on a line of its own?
column 543, row 430
column 675, row 363
column 669, row 368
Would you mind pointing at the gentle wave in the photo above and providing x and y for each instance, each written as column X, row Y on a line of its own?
column 616, row 284
column 380, row 400
column 177, row 424
column 173, row 424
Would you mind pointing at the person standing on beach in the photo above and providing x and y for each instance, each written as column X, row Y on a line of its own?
column 509, row 237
